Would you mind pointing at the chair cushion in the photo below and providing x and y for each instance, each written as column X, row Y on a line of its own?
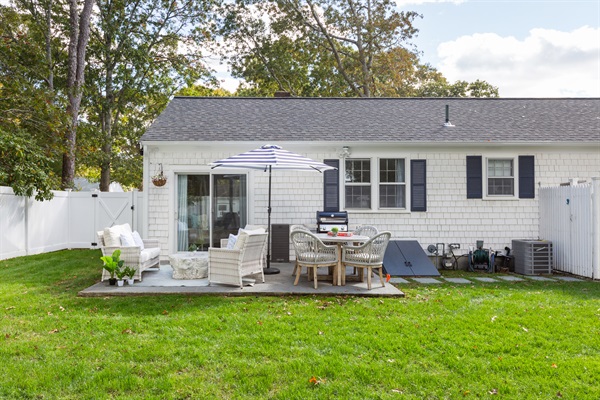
column 231, row 241
column 138, row 240
column 149, row 254
column 253, row 231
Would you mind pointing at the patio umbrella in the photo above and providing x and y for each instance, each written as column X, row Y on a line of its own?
column 267, row 158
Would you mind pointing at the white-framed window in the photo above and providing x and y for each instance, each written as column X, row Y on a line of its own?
column 357, row 183
column 392, row 183
column 500, row 177
column 372, row 184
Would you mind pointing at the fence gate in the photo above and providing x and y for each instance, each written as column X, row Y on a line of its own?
column 569, row 218
column 92, row 212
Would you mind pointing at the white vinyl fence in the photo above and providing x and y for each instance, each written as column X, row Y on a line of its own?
column 70, row 220
column 570, row 218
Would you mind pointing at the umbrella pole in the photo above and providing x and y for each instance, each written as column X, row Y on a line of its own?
column 269, row 270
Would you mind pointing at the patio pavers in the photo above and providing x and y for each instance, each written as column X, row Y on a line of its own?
column 511, row 278
column 485, row 279
column 457, row 280
column 540, row 278
column 398, row 280
column 568, row 279
column 427, row 280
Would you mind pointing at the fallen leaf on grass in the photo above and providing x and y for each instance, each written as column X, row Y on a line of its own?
column 127, row 331
column 321, row 333
column 558, row 394
column 397, row 391
column 316, row 381
column 554, row 366
column 466, row 392
column 259, row 322
column 391, row 360
column 7, row 336
column 525, row 329
column 494, row 318
column 165, row 312
column 62, row 308
column 53, row 331
column 10, row 308
column 493, row 391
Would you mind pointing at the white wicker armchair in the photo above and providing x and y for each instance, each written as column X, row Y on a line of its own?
column 368, row 255
column 312, row 253
column 229, row 266
column 134, row 256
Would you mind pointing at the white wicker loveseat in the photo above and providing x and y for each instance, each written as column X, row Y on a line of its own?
column 138, row 253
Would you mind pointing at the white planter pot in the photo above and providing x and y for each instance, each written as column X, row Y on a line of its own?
column 120, row 282
column 130, row 281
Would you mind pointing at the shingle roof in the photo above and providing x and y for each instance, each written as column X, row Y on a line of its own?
column 377, row 119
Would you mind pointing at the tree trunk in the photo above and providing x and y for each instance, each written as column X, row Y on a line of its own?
column 80, row 34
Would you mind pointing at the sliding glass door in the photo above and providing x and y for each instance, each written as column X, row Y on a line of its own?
column 229, row 209
column 230, row 206
column 193, row 211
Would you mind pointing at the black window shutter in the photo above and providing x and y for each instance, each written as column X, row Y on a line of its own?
column 526, row 177
column 474, row 178
column 331, row 186
column 418, row 185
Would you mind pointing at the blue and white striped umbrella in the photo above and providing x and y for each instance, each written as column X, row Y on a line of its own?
column 270, row 157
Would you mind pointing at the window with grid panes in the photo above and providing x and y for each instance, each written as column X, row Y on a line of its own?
column 392, row 183
column 358, row 183
column 501, row 177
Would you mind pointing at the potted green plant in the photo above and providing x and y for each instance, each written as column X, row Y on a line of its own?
column 112, row 264
column 120, row 272
column 129, row 273
column 334, row 231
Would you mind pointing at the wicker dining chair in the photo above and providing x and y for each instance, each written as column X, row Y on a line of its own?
column 312, row 253
column 366, row 230
column 367, row 256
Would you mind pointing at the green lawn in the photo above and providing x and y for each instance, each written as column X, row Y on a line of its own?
column 524, row 340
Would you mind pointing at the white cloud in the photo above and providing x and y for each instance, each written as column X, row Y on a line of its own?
column 547, row 63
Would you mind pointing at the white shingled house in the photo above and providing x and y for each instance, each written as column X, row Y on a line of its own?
column 439, row 170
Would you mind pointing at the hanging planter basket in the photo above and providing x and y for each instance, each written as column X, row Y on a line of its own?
column 159, row 179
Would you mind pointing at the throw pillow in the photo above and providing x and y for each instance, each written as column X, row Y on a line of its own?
column 112, row 237
column 253, row 231
column 231, row 241
column 127, row 240
column 138, row 240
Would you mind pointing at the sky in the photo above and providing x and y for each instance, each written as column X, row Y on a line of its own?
column 526, row 48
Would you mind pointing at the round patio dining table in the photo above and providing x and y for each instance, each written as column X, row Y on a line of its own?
column 338, row 274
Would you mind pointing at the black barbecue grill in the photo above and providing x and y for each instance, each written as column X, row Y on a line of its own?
column 329, row 219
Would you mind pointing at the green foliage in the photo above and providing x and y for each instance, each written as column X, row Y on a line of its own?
column 24, row 167
column 203, row 91
column 113, row 263
column 129, row 272
column 330, row 48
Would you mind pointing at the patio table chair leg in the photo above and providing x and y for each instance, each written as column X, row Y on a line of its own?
column 315, row 276
column 298, row 273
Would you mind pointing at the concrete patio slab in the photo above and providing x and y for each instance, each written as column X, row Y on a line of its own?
column 485, row 279
column 540, row 278
column 426, row 280
column 160, row 282
column 457, row 280
column 510, row 278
